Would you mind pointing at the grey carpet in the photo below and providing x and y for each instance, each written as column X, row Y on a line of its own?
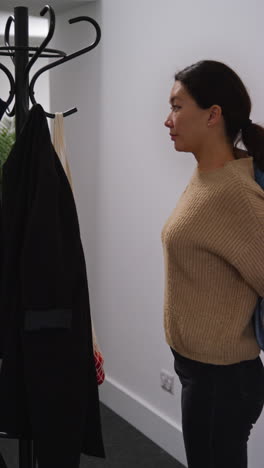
column 125, row 447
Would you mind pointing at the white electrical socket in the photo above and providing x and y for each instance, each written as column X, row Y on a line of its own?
column 167, row 381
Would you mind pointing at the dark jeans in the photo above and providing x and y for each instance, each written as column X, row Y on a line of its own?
column 220, row 404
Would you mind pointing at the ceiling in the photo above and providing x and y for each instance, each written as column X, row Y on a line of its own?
column 35, row 6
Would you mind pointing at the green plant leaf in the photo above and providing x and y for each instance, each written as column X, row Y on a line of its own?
column 7, row 140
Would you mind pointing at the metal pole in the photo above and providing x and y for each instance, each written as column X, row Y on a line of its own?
column 21, row 60
column 21, row 111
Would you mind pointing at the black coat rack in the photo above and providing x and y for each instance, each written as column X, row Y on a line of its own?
column 20, row 88
column 23, row 57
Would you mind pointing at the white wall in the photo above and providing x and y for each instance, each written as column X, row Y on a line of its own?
column 128, row 177
column 76, row 84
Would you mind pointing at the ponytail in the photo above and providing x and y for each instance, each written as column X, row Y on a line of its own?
column 252, row 137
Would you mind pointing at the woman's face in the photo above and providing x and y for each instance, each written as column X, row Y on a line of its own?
column 187, row 122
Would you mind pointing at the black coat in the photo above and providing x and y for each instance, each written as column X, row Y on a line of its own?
column 48, row 387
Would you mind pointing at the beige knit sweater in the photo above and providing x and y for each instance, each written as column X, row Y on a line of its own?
column 214, row 265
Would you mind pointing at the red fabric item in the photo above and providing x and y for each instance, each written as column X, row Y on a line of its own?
column 99, row 362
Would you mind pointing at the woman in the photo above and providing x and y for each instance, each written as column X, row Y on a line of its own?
column 214, row 265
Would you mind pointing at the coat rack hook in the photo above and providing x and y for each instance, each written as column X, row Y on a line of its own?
column 9, row 22
column 52, row 23
column 66, row 59
column 12, row 84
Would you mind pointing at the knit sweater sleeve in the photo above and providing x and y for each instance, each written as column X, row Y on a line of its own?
column 250, row 263
column 250, row 260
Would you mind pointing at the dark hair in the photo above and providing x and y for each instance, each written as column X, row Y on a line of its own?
column 210, row 82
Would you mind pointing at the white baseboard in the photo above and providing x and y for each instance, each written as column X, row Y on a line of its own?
column 153, row 424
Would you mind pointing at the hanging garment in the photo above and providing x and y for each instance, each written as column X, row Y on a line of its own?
column 48, row 387
column 60, row 148
column 258, row 317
